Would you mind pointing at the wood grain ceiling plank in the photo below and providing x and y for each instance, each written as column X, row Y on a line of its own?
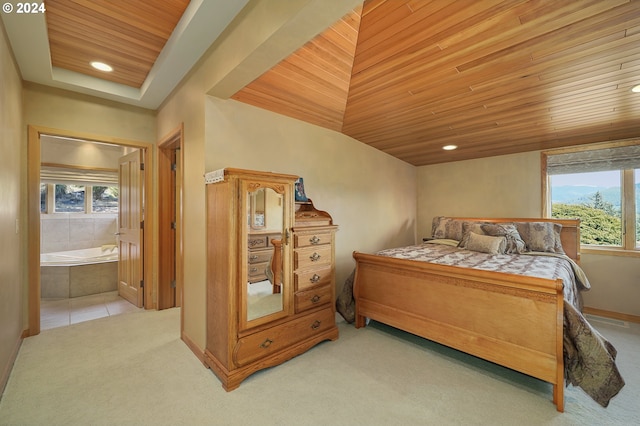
column 272, row 86
column 353, row 92
column 525, row 107
column 316, row 73
column 325, row 118
column 326, row 54
column 490, row 140
column 139, row 14
column 539, row 116
column 552, row 10
column 483, row 50
column 347, row 28
column 502, row 78
column 424, row 30
column 67, row 19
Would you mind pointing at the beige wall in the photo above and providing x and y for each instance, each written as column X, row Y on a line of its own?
column 362, row 188
column 61, row 109
column 370, row 195
column 12, row 224
column 510, row 186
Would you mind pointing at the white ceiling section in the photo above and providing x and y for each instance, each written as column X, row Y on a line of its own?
column 200, row 26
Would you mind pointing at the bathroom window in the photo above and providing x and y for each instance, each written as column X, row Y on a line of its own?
column 69, row 198
column 64, row 198
column 104, row 199
column 43, row 197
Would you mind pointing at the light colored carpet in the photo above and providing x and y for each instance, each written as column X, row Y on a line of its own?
column 134, row 370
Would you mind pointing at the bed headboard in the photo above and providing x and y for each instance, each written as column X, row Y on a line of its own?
column 569, row 235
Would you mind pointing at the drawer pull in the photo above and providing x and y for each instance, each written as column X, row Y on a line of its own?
column 316, row 325
column 254, row 270
column 253, row 257
column 314, row 240
column 315, row 299
column 314, row 257
column 255, row 242
column 266, row 343
column 315, row 278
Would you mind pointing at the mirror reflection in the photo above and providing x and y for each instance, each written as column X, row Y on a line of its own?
column 265, row 224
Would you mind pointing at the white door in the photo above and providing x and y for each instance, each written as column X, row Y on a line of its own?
column 130, row 229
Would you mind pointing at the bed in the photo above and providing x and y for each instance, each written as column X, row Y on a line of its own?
column 453, row 289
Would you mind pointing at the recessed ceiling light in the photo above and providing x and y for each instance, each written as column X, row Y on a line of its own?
column 636, row 89
column 101, row 66
column 449, row 147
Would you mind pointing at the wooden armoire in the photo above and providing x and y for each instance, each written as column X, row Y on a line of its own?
column 270, row 273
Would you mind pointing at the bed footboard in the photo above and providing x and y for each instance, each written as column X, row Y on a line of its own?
column 511, row 320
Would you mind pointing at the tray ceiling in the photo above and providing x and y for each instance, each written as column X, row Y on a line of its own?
column 151, row 45
column 128, row 37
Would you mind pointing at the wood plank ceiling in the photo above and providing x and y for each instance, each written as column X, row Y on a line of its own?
column 128, row 37
column 491, row 76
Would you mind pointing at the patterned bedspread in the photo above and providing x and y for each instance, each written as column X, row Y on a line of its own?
column 589, row 359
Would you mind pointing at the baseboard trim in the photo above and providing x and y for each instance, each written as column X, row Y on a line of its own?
column 612, row 315
column 197, row 351
column 6, row 371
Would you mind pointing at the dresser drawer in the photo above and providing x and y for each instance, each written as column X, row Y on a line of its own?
column 257, row 241
column 313, row 277
column 258, row 256
column 309, row 257
column 311, row 298
column 311, row 239
column 257, row 271
column 272, row 340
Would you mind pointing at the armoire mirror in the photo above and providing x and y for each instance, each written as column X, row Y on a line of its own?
column 265, row 224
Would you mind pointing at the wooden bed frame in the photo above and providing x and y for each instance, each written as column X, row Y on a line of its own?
column 511, row 320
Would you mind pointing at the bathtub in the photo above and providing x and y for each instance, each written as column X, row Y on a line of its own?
column 88, row 256
column 77, row 273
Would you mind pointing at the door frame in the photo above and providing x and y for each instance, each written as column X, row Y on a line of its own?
column 166, row 149
column 33, row 212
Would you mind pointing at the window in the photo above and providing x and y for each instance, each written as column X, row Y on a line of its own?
column 69, row 198
column 600, row 185
column 43, row 198
column 105, row 199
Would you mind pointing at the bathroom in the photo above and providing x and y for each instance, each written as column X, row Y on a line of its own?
column 78, row 230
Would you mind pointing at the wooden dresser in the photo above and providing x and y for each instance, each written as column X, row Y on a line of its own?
column 313, row 257
column 270, row 274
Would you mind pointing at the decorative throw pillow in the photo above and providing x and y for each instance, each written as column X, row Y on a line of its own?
column 447, row 228
column 514, row 241
column 541, row 236
column 486, row 243
column 468, row 228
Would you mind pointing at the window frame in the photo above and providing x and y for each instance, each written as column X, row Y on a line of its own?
column 627, row 190
column 50, row 207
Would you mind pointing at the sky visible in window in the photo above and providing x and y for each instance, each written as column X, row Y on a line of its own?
column 601, row 179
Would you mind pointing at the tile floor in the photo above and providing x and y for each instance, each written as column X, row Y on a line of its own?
column 62, row 312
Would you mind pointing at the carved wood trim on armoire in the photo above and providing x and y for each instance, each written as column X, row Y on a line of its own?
column 261, row 318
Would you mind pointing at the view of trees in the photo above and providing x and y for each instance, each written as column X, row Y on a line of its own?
column 600, row 209
column 600, row 220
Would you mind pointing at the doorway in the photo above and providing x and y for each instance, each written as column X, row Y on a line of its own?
column 170, row 166
column 33, row 207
